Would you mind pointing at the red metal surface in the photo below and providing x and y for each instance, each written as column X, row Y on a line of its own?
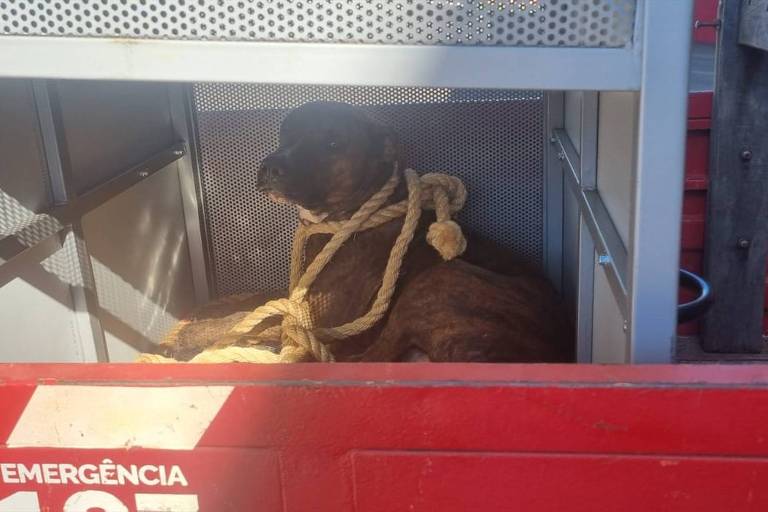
column 219, row 479
column 705, row 10
column 383, row 438
column 578, row 483
column 695, row 198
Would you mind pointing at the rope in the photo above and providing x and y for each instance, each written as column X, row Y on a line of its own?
column 300, row 339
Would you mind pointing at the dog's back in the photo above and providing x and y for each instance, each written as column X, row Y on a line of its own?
column 451, row 311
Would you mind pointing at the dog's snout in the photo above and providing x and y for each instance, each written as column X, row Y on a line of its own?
column 272, row 168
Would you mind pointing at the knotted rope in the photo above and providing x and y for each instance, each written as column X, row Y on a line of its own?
column 297, row 334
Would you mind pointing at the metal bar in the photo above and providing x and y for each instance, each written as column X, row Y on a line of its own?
column 67, row 214
column 48, row 133
column 585, row 295
column 588, row 142
column 585, row 298
column 654, row 248
column 9, row 269
column 85, row 301
column 737, row 204
column 103, row 193
column 553, row 191
column 611, row 251
column 327, row 63
column 197, row 239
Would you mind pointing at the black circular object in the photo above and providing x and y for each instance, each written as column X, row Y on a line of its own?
column 697, row 307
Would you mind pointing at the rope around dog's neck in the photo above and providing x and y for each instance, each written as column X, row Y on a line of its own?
column 297, row 333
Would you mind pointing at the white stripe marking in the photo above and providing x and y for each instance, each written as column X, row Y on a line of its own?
column 170, row 418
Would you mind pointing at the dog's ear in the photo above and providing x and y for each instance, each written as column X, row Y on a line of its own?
column 385, row 145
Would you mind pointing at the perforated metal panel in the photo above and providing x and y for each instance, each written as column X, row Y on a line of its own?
column 503, row 22
column 491, row 139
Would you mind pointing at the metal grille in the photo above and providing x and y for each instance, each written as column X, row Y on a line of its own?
column 589, row 23
column 493, row 140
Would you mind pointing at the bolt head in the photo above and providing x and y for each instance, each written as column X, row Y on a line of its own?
column 746, row 155
column 178, row 152
column 143, row 174
column 743, row 243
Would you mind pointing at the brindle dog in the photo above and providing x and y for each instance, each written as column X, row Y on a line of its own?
column 484, row 306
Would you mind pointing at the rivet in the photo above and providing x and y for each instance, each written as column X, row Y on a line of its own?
column 743, row 243
column 746, row 155
column 143, row 174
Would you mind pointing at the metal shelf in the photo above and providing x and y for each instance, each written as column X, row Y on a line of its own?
column 509, row 67
column 515, row 44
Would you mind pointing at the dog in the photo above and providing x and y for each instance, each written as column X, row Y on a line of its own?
column 485, row 306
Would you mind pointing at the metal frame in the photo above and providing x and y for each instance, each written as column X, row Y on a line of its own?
column 325, row 63
column 65, row 217
column 643, row 276
column 611, row 252
column 596, row 231
column 585, row 298
column 191, row 193
column 553, row 191
column 654, row 248
column 84, row 300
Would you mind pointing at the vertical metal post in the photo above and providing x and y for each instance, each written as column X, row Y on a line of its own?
column 585, row 298
column 588, row 143
column 588, row 173
column 181, row 116
column 553, row 190
column 84, row 299
column 654, row 248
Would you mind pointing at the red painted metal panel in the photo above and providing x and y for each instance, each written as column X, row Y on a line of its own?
column 378, row 374
column 700, row 105
column 216, row 479
column 705, row 10
column 694, row 201
column 345, row 437
column 13, row 400
column 458, row 482
column 693, row 232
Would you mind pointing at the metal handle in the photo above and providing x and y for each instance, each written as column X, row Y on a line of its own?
column 707, row 24
column 697, row 307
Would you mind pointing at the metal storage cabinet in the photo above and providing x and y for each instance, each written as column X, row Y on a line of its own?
column 624, row 192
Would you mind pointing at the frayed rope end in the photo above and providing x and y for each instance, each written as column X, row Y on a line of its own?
column 447, row 238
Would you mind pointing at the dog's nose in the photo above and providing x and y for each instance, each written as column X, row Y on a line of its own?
column 271, row 170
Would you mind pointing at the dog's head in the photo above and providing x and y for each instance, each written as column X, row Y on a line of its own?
column 331, row 159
